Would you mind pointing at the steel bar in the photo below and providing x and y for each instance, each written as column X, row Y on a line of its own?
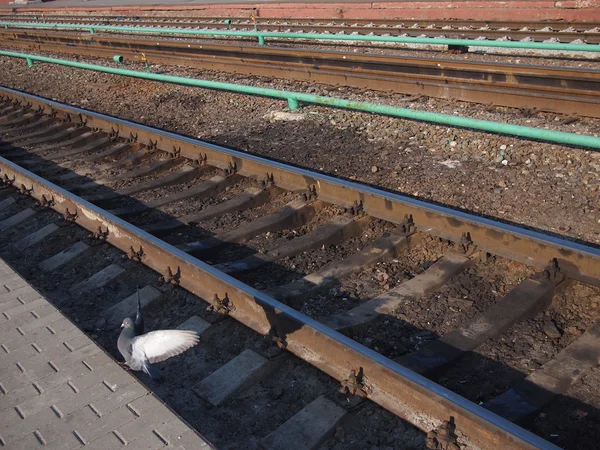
column 565, row 35
column 560, row 90
column 535, row 248
column 294, row 98
column 348, row 22
column 406, row 394
column 262, row 36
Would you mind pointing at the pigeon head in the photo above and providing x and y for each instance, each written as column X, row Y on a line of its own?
column 127, row 323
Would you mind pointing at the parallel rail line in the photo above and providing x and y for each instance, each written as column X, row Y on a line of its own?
column 561, row 90
column 537, row 31
column 61, row 132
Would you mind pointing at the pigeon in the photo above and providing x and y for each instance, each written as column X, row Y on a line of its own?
column 139, row 320
column 140, row 352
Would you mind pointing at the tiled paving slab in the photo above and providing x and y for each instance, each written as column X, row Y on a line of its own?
column 58, row 389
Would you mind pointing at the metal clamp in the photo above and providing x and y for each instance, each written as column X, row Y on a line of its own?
column 355, row 384
column 444, row 437
column 311, row 193
column 138, row 256
column 26, row 191
column 44, row 202
column 231, row 168
column 113, row 135
column 221, row 306
column 6, row 181
column 356, row 209
column 408, row 224
column 466, row 243
column 173, row 278
column 551, row 274
column 82, row 121
column 71, row 217
column 100, row 235
column 268, row 181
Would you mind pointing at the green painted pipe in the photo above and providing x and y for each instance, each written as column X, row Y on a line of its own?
column 294, row 98
column 261, row 36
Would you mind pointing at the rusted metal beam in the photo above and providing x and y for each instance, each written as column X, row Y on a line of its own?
column 566, row 35
column 577, row 260
column 410, row 396
column 561, row 90
column 246, row 21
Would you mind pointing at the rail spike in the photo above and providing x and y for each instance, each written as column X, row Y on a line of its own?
column 172, row 278
column 444, row 437
column 355, row 384
column 221, row 306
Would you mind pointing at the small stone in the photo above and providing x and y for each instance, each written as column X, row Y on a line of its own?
column 551, row 331
column 453, row 144
column 505, row 162
column 503, row 147
column 277, row 392
column 374, row 169
column 460, row 302
column 573, row 330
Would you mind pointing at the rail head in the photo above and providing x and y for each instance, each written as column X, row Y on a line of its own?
column 580, row 261
column 396, row 388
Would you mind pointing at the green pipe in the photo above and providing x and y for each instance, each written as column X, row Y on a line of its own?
column 294, row 98
column 261, row 36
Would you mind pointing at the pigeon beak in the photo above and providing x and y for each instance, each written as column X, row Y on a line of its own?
column 122, row 325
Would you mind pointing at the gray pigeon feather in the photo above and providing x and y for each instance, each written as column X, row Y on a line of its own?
column 140, row 352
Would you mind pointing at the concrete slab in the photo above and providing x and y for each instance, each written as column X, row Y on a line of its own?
column 308, row 428
column 62, row 258
column 36, row 237
column 16, row 219
column 97, row 280
column 127, row 307
column 6, row 203
column 71, row 395
column 242, row 372
column 197, row 324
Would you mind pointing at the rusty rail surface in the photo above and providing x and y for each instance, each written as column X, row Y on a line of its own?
column 403, row 392
column 220, row 20
column 561, row 90
column 537, row 31
column 577, row 260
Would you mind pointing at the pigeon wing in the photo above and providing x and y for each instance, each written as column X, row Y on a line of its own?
column 164, row 344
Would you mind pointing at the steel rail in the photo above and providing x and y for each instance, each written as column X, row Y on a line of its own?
column 455, row 31
column 294, row 99
column 262, row 36
column 561, row 90
column 225, row 21
column 535, row 248
column 403, row 392
column 535, row 35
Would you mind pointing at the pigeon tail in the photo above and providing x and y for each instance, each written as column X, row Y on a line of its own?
column 139, row 320
column 153, row 371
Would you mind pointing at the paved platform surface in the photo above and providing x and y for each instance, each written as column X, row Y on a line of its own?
column 59, row 390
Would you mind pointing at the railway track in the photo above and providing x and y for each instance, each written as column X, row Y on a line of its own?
column 160, row 199
column 536, row 32
column 437, row 23
column 561, row 90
